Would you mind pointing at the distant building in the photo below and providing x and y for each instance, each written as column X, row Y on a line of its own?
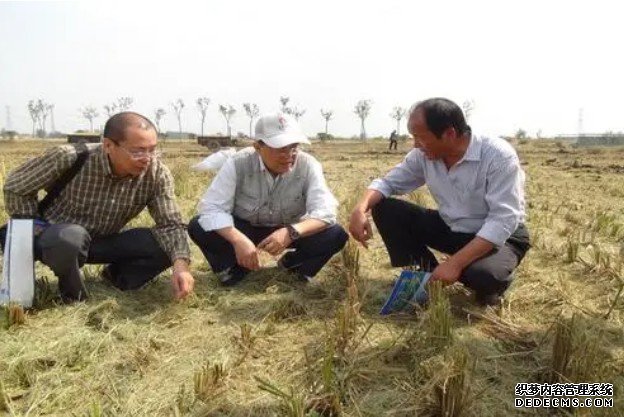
column 180, row 135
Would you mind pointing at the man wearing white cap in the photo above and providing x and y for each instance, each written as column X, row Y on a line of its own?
column 270, row 197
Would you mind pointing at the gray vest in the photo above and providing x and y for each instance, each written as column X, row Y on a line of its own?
column 284, row 204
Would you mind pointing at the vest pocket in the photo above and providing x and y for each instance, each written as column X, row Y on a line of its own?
column 293, row 208
column 245, row 208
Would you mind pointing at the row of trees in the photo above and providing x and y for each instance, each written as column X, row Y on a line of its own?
column 362, row 110
column 40, row 110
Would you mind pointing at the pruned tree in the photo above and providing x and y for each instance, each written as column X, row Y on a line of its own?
column 362, row 109
column 202, row 106
column 124, row 103
column 33, row 110
column 110, row 109
column 51, row 111
column 398, row 113
column 158, row 115
column 39, row 111
column 177, row 106
column 90, row 113
column 252, row 111
column 296, row 112
column 521, row 134
column 44, row 112
column 468, row 107
column 227, row 111
column 327, row 115
column 284, row 105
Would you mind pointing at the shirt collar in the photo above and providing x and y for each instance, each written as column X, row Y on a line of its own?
column 473, row 152
column 263, row 167
column 106, row 167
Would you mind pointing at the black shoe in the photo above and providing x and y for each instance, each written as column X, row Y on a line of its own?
column 107, row 276
column 491, row 299
column 232, row 275
column 304, row 278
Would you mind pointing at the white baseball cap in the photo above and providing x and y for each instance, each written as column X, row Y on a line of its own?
column 278, row 130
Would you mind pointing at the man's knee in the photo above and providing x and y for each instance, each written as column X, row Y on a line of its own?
column 66, row 238
column 397, row 212
column 484, row 279
column 337, row 236
column 382, row 207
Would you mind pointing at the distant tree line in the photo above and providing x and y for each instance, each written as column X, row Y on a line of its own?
column 41, row 111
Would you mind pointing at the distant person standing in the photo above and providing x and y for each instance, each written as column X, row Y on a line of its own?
column 393, row 140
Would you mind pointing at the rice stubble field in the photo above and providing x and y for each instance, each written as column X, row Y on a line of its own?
column 275, row 347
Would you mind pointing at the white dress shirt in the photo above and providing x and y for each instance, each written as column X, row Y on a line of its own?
column 483, row 193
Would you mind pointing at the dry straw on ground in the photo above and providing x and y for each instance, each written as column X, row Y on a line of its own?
column 323, row 348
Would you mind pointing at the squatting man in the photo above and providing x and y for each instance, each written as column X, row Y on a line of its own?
column 270, row 197
column 478, row 185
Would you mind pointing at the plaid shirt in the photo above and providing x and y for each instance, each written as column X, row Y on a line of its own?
column 96, row 199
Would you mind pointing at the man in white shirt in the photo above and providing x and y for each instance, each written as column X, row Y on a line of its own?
column 271, row 197
column 478, row 185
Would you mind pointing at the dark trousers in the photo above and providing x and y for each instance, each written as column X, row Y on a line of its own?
column 134, row 257
column 408, row 232
column 393, row 144
column 311, row 254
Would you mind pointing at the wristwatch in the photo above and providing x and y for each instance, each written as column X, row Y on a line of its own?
column 292, row 232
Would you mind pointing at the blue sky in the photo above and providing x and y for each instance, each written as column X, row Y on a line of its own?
column 525, row 64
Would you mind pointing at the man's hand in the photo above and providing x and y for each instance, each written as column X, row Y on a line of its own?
column 450, row 270
column 360, row 227
column 182, row 282
column 276, row 242
column 246, row 253
column 447, row 272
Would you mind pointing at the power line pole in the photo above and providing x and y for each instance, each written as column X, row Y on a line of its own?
column 8, row 118
column 580, row 122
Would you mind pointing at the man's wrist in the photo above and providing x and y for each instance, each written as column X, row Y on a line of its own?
column 181, row 265
column 361, row 208
column 293, row 233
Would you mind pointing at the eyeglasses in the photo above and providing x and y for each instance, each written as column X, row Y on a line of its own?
column 138, row 155
column 290, row 149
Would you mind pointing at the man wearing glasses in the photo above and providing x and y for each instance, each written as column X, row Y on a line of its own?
column 269, row 197
column 84, row 223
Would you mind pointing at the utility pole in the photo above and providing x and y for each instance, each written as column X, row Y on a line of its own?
column 580, row 122
column 8, row 118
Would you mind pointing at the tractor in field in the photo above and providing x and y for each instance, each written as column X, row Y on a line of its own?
column 216, row 142
column 83, row 138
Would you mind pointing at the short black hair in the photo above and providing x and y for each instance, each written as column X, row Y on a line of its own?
column 115, row 128
column 440, row 114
